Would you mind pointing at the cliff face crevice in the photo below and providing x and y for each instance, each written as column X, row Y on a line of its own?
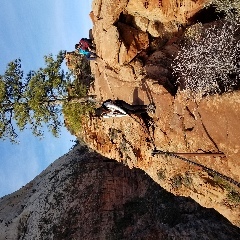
column 136, row 44
column 83, row 195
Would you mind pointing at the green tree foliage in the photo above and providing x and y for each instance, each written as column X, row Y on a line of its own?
column 45, row 92
column 79, row 104
column 12, row 89
column 74, row 113
column 80, row 68
column 39, row 98
column 35, row 100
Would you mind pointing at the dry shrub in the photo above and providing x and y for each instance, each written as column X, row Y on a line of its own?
column 208, row 62
column 227, row 6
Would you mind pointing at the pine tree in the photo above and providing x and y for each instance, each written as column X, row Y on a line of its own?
column 35, row 100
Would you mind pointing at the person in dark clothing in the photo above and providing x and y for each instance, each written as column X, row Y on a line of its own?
column 120, row 108
column 131, row 109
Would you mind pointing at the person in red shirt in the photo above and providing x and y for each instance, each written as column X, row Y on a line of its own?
column 86, row 44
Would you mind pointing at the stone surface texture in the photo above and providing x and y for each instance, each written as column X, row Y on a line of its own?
column 83, row 195
column 134, row 66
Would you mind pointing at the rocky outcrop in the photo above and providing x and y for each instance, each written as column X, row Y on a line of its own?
column 83, row 195
column 136, row 42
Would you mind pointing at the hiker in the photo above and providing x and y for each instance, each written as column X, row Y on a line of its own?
column 120, row 108
column 87, row 53
column 109, row 109
column 86, row 44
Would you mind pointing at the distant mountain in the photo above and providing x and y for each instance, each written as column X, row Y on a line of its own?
column 83, row 195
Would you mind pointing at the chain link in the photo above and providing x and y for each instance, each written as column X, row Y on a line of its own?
column 209, row 170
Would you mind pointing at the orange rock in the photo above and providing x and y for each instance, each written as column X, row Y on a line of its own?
column 180, row 124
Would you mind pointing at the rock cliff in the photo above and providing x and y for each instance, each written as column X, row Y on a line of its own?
column 83, row 195
column 136, row 42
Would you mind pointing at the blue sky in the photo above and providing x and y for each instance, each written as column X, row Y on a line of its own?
column 30, row 29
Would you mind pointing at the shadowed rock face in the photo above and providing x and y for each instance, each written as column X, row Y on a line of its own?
column 83, row 195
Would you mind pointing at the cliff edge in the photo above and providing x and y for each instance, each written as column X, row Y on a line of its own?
column 83, row 195
column 136, row 42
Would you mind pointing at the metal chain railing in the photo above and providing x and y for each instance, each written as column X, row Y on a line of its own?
column 172, row 154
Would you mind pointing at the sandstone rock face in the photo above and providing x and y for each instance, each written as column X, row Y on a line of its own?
column 83, row 195
column 165, row 10
column 133, row 41
column 142, row 75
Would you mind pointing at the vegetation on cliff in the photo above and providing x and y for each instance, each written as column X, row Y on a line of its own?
column 208, row 59
column 37, row 99
column 226, row 6
column 81, row 105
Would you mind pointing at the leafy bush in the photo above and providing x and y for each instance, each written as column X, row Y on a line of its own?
column 80, row 68
column 208, row 62
column 74, row 113
column 234, row 197
column 177, row 181
column 76, row 108
column 161, row 173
